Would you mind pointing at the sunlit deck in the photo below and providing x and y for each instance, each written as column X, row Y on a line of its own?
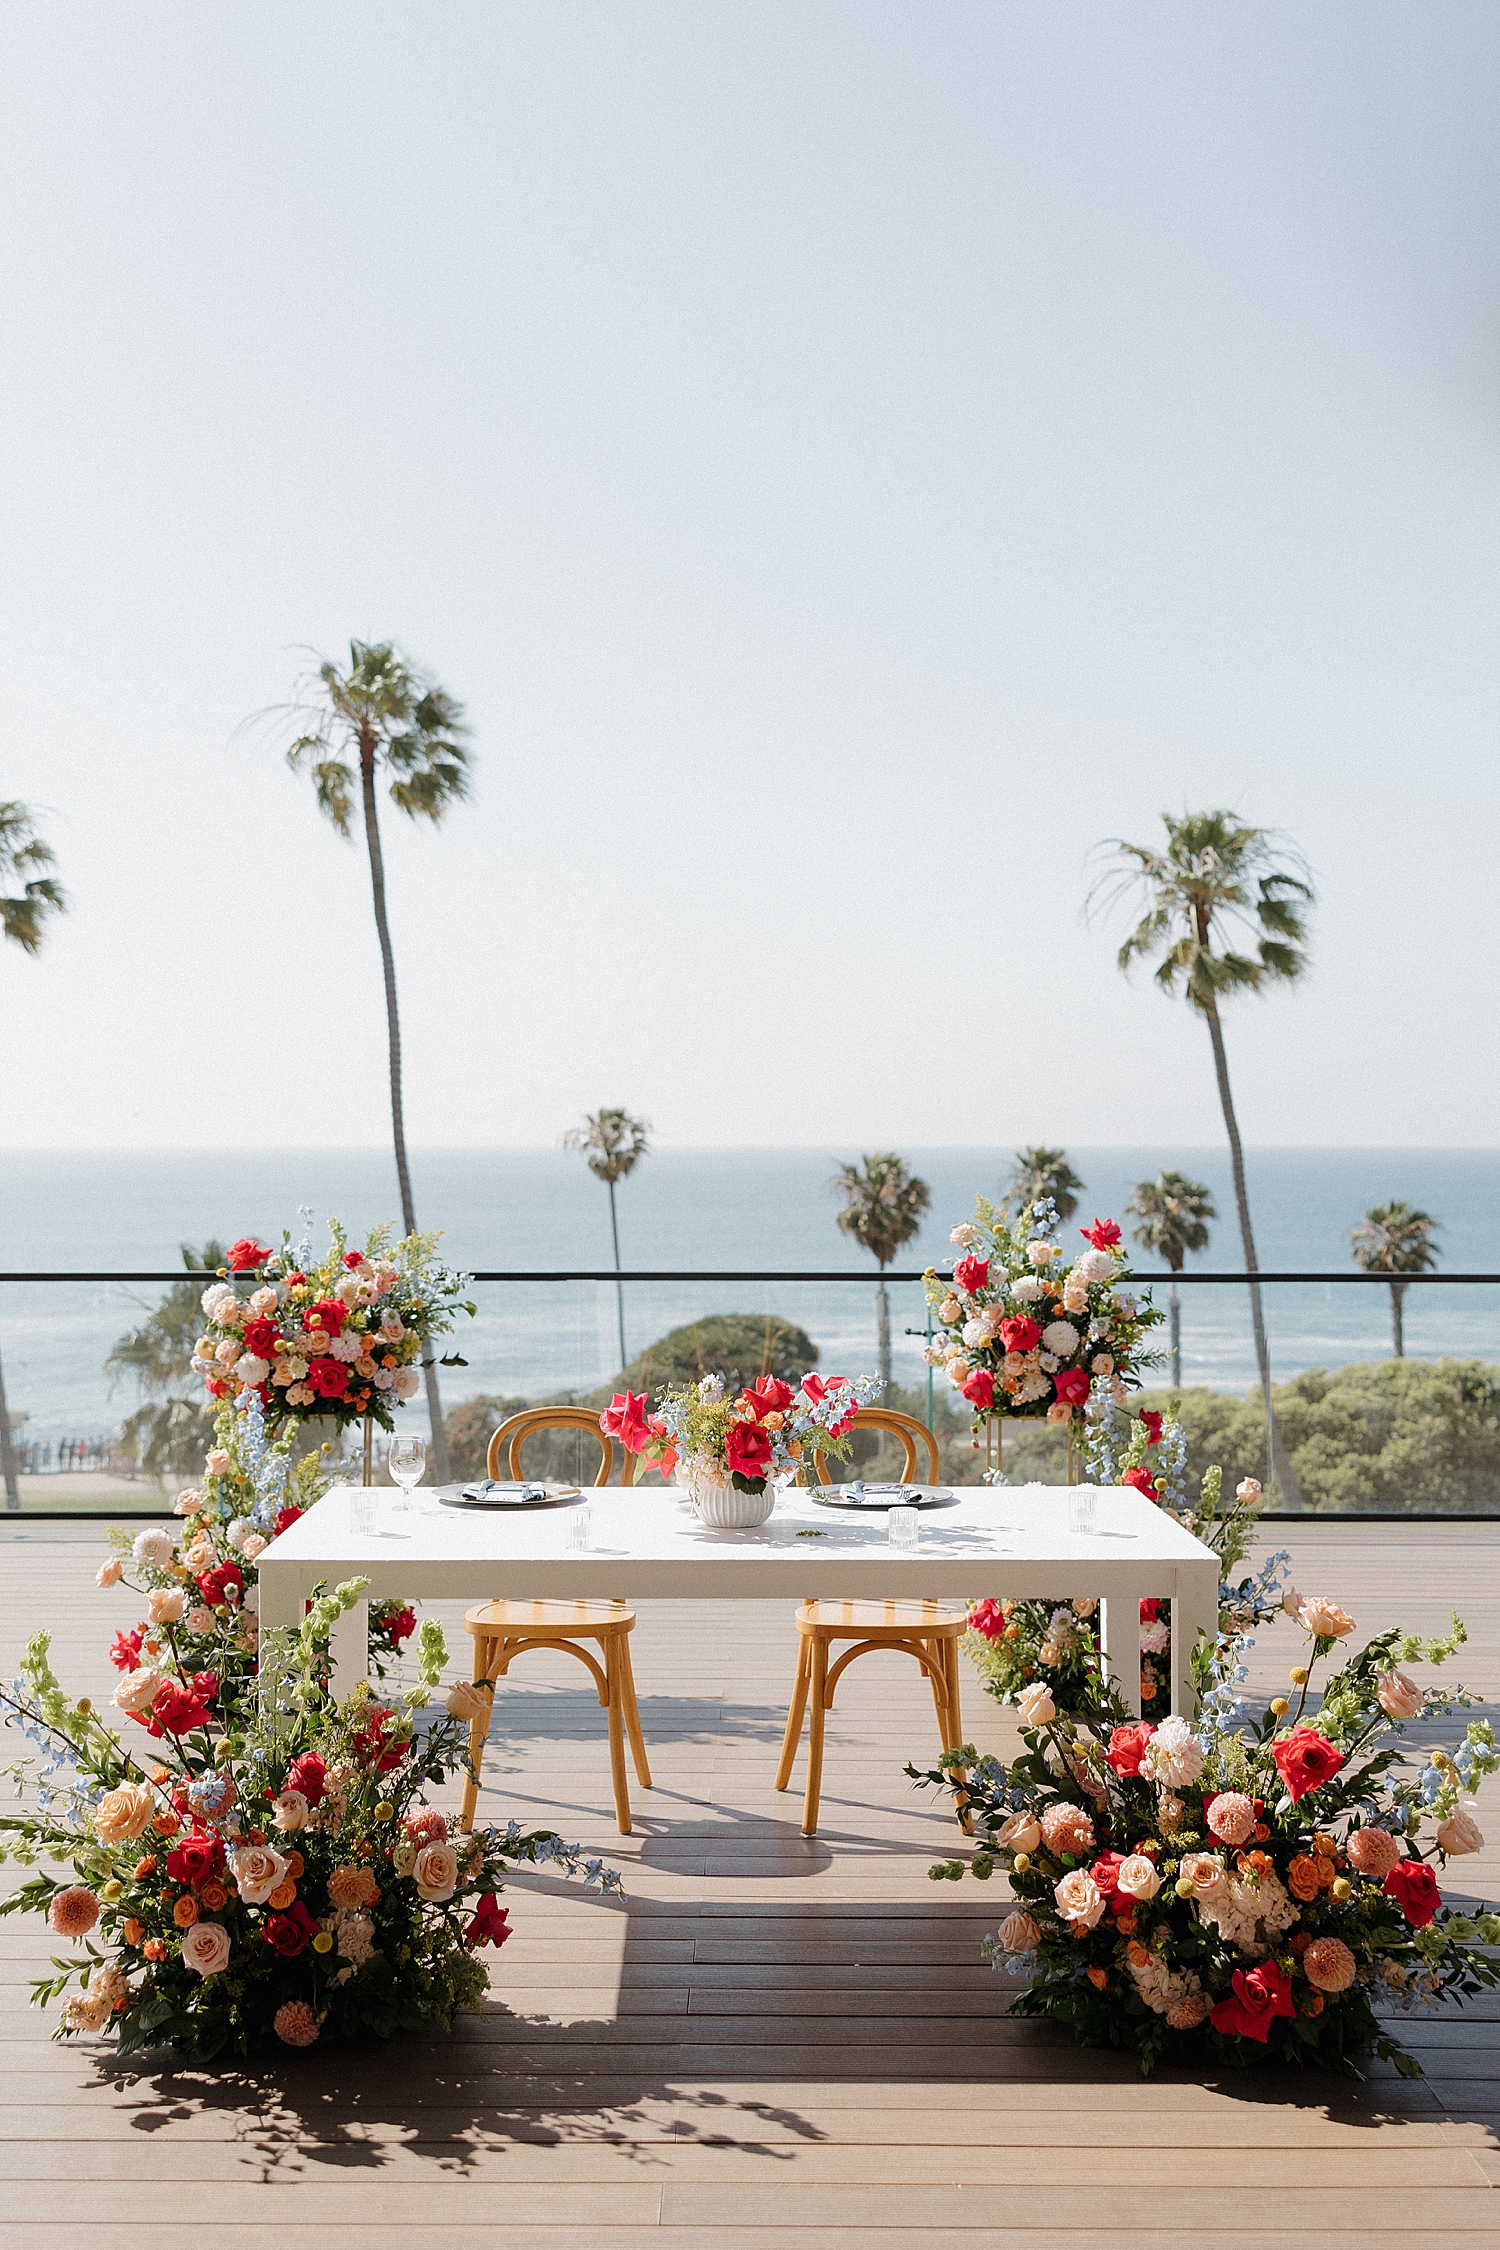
column 773, row 2038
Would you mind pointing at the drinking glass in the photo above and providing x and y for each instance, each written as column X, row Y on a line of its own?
column 903, row 1525
column 406, row 1458
column 362, row 1510
column 580, row 1524
column 1081, row 1511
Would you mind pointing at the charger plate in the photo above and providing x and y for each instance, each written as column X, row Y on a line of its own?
column 855, row 1495
column 485, row 1492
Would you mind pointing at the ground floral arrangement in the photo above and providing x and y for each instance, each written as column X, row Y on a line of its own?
column 1025, row 1333
column 261, row 1864
column 760, row 1435
column 1228, row 1891
column 1012, row 1644
column 340, row 1339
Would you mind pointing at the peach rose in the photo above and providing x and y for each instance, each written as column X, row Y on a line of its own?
column 436, row 1871
column 289, row 1812
column 1067, row 1829
column 258, row 1871
column 1324, row 1618
column 1138, row 1878
column 108, row 1573
column 216, row 1462
column 199, row 1621
column 1078, row 1899
column 73, row 1913
column 1399, row 1697
column 1019, row 1934
column 254, row 1547
column 138, row 1690
column 124, row 1813
column 1206, row 1874
column 1374, row 1852
column 350, row 1888
column 467, row 1702
column 1231, row 1817
column 1329, row 1965
column 1021, row 1833
column 1460, row 1832
column 1035, row 1705
column 167, row 1605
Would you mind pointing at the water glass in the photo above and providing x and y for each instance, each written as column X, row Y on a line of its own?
column 406, row 1458
column 579, row 1527
column 903, row 1525
column 362, row 1510
column 1081, row 1508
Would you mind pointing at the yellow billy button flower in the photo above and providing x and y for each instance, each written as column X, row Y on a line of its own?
column 112, row 1891
column 384, row 1811
column 1279, row 1706
column 1021, row 1862
column 84, row 1706
column 323, row 1942
column 1299, row 1675
column 1184, row 1887
column 1341, row 1887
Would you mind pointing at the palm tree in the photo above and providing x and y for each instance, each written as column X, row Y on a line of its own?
column 379, row 715
column 1173, row 1212
column 883, row 1208
column 1041, row 1172
column 1395, row 1238
column 171, row 1437
column 23, row 916
column 614, row 1143
column 1219, row 883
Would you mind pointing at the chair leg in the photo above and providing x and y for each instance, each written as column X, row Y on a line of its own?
column 478, row 1733
column 935, row 1654
column 816, row 1691
column 616, row 1735
column 633, row 1713
column 955, row 1737
column 795, row 1710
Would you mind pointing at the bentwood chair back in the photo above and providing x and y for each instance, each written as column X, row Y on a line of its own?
column 905, row 1428
column 508, row 1440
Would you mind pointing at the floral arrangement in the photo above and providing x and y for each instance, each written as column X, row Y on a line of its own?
column 279, row 1879
column 1013, row 1643
column 340, row 1339
column 1227, row 1891
column 1024, row 1333
column 759, row 1436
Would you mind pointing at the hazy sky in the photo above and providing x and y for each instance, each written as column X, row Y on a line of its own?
column 848, row 459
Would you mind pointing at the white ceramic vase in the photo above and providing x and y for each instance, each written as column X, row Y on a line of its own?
column 720, row 1503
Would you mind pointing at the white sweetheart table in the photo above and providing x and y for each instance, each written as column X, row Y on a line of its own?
column 1010, row 1541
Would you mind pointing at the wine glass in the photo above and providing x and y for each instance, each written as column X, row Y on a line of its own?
column 406, row 1458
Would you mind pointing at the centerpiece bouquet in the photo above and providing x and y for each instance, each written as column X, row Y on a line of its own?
column 341, row 1339
column 1012, row 1643
column 273, row 1873
column 1024, row 1332
column 716, row 1444
column 1229, row 1891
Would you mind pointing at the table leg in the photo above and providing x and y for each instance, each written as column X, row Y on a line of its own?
column 1195, row 1609
column 1120, row 1646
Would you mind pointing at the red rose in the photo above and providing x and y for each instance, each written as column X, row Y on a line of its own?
column 1305, row 1759
column 215, row 1386
column 353, row 1258
column 988, row 1618
column 971, row 1274
column 307, row 1774
column 296, row 1281
column 214, row 1584
column 1150, row 1611
column 334, row 1313
column 1071, row 1385
column 1106, row 1873
column 329, row 1378
column 286, row 1517
column 1140, row 1480
column 177, row 1710
column 748, row 1447
column 1127, row 1747
column 126, row 1653
column 1103, row 1234
column 292, row 1932
column 371, row 1744
column 489, row 1925
column 400, row 1625
column 260, row 1338
column 195, row 1859
column 979, row 1389
column 1152, row 1420
column 205, row 1685
column 1018, row 1334
column 769, row 1396
column 817, row 1390
column 1260, row 1995
column 1414, row 1888
column 625, row 1418
column 246, row 1254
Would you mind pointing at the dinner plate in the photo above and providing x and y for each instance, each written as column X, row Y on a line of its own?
column 487, row 1492
column 857, row 1495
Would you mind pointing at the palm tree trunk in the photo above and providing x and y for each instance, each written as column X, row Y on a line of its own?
column 393, row 1031
column 883, row 1332
column 7, row 1452
column 614, row 1228
column 1176, row 1334
column 1281, row 1467
column 1398, row 1291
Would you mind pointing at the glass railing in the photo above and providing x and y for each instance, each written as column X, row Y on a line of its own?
column 106, row 1418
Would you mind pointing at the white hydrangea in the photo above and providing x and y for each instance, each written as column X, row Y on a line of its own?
column 249, row 1369
column 214, row 1299
column 1026, row 1290
column 1159, row 1986
column 1248, row 1915
column 1092, row 1266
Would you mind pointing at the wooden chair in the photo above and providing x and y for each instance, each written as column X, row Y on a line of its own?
column 505, row 1629
column 927, row 1630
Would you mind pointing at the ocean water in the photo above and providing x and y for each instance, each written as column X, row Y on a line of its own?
column 698, row 1210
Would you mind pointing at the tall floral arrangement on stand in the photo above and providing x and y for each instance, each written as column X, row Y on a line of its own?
column 276, row 1878
column 1022, row 1331
column 1013, row 1643
column 341, row 1339
column 1234, row 1891
column 761, row 1435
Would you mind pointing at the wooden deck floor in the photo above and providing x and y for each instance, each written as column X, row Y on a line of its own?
column 773, row 2039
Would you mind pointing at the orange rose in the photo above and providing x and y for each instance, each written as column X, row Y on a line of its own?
column 1312, row 2003
column 1299, row 1941
column 1304, row 1878
column 214, row 1896
column 166, row 1822
column 281, row 1898
column 1326, row 1846
column 154, row 1950
column 185, row 1912
column 1136, row 1954
column 1098, row 1978
column 295, row 1864
column 134, row 1931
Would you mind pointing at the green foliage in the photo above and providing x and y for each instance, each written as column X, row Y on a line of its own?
column 739, row 1346
column 170, row 1432
column 1395, row 1237
column 23, row 855
column 1172, row 1212
column 883, row 1204
column 1221, row 910
column 613, row 1142
column 1389, row 1436
column 381, row 712
column 1039, row 1173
